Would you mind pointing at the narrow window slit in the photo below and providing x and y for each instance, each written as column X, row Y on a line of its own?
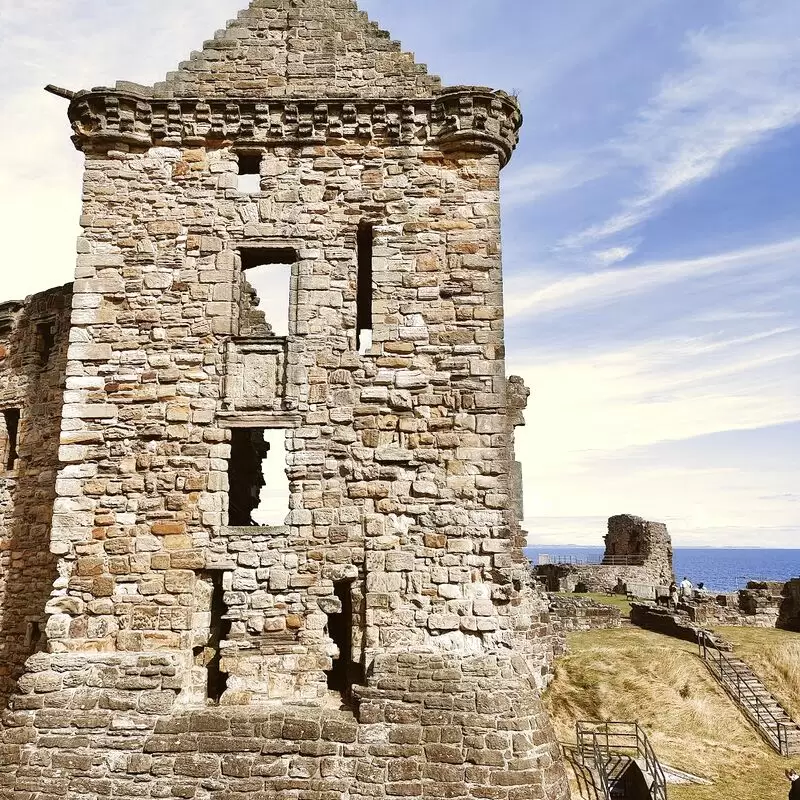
column 365, row 244
column 9, row 437
column 33, row 636
column 344, row 673
column 46, row 341
column 217, row 680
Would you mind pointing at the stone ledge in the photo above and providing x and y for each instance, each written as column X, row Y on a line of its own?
column 463, row 118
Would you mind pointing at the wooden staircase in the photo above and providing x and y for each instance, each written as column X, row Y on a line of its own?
column 763, row 711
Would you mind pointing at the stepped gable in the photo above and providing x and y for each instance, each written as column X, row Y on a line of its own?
column 297, row 48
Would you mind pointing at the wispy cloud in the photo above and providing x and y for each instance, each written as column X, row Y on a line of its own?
column 535, row 181
column 605, row 286
column 597, row 422
column 742, row 84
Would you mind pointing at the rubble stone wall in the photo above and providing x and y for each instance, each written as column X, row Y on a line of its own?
column 580, row 614
column 31, row 381
column 789, row 615
column 670, row 623
column 636, row 538
column 636, row 552
column 590, row 577
column 763, row 604
column 400, row 460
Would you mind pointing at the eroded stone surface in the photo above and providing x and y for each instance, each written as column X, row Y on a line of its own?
column 189, row 657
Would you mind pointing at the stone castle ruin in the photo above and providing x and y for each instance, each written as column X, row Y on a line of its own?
column 638, row 554
column 385, row 640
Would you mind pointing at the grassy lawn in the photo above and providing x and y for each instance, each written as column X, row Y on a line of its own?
column 632, row 674
column 616, row 600
column 775, row 657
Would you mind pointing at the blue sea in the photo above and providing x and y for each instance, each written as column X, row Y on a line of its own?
column 723, row 569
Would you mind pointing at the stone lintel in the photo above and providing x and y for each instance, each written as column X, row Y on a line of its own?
column 258, row 419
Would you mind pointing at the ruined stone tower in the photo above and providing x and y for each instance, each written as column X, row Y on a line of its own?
column 386, row 640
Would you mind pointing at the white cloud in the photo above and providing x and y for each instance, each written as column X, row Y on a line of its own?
column 595, row 421
column 605, row 286
column 535, row 181
column 613, row 255
column 742, row 85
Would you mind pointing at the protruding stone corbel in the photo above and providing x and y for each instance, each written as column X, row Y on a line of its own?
column 517, row 400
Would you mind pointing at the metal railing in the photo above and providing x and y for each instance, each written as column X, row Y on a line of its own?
column 589, row 781
column 611, row 743
column 734, row 680
column 590, row 561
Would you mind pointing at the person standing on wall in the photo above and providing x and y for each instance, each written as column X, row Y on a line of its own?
column 673, row 595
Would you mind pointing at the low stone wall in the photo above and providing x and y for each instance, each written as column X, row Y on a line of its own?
column 581, row 614
column 763, row 604
column 589, row 577
column 662, row 620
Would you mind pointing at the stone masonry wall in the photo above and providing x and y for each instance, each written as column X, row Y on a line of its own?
column 634, row 538
column 327, row 49
column 400, row 460
column 589, row 577
column 581, row 614
column 637, row 552
column 789, row 617
column 31, row 380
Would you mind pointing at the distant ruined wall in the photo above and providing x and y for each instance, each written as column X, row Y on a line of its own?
column 637, row 539
column 33, row 346
column 789, row 615
column 762, row 604
column 636, row 552
column 580, row 614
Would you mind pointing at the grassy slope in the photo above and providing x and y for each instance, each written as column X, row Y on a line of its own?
column 775, row 657
column 631, row 674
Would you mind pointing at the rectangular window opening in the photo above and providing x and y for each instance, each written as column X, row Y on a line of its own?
column 9, row 437
column 46, row 341
column 219, row 630
column 259, row 486
column 249, row 173
column 344, row 673
column 364, row 289
column 265, row 291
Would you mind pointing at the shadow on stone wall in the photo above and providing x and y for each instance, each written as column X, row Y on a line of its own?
column 31, row 379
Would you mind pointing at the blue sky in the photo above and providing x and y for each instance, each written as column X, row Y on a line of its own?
column 651, row 230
